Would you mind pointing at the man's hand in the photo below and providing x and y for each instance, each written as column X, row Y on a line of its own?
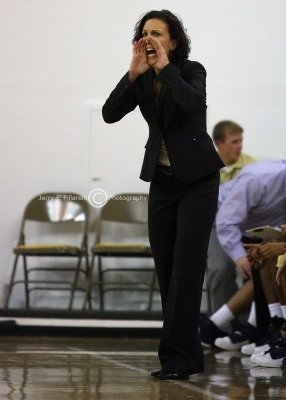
column 244, row 267
column 267, row 250
column 253, row 253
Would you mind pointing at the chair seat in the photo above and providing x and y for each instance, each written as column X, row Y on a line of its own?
column 47, row 249
column 120, row 248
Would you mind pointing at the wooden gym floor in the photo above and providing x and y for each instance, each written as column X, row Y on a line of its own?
column 43, row 368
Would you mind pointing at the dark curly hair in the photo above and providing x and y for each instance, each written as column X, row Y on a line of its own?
column 176, row 30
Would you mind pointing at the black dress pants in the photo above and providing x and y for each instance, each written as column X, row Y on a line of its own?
column 180, row 221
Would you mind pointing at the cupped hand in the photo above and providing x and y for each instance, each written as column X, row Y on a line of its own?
column 139, row 64
column 161, row 59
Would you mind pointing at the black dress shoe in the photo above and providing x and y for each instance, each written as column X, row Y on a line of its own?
column 163, row 376
column 155, row 374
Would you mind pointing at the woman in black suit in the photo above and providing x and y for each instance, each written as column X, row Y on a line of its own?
column 183, row 167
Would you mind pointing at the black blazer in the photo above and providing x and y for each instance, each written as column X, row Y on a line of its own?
column 178, row 116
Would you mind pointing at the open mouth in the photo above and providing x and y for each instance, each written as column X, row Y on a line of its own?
column 150, row 52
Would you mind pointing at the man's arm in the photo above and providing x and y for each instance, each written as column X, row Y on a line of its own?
column 245, row 195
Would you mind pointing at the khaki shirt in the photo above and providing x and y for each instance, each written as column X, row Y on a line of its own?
column 231, row 171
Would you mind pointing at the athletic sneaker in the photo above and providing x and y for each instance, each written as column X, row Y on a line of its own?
column 209, row 332
column 273, row 357
column 264, row 342
column 254, row 356
column 264, row 349
column 237, row 339
column 261, row 349
column 248, row 349
column 260, row 346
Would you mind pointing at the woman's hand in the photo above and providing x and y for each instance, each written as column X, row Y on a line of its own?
column 139, row 64
column 161, row 59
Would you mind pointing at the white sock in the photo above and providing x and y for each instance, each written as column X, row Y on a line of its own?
column 283, row 309
column 222, row 316
column 275, row 310
column 252, row 315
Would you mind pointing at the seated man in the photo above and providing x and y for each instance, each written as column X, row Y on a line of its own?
column 228, row 139
column 255, row 198
column 221, row 278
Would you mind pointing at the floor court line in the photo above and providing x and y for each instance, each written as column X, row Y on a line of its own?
column 188, row 385
column 105, row 356
column 81, row 352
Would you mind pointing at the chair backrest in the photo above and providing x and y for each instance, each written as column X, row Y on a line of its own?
column 126, row 208
column 56, row 207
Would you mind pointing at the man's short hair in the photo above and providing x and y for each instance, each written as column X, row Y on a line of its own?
column 222, row 128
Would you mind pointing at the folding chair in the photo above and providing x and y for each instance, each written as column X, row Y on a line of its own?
column 52, row 210
column 122, row 209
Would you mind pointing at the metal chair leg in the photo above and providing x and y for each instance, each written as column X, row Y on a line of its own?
column 87, row 297
column 100, row 284
column 87, row 277
column 11, row 283
column 74, row 284
column 26, row 282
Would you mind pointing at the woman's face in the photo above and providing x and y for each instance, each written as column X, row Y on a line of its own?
column 157, row 29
